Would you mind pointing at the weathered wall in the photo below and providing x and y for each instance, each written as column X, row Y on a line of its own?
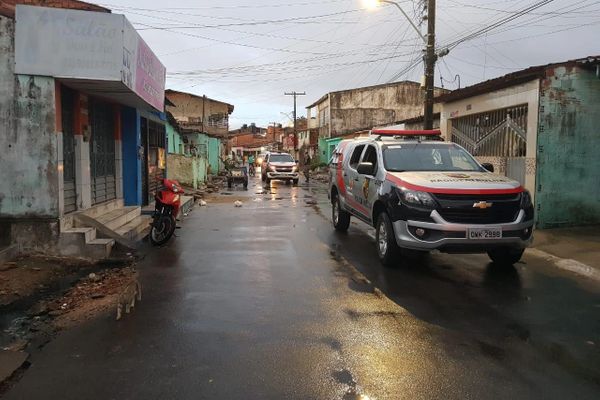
column 189, row 171
column 568, row 149
column 29, row 185
column 526, row 93
column 188, row 112
column 364, row 108
column 181, row 169
column 29, row 198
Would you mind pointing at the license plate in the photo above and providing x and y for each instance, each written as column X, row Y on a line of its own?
column 484, row 233
column 236, row 173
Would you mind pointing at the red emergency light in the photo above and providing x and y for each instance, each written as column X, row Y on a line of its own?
column 398, row 132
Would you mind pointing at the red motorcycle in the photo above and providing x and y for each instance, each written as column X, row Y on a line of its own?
column 166, row 209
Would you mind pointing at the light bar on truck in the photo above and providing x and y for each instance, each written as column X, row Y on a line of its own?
column 398, row 132
column 419, row 135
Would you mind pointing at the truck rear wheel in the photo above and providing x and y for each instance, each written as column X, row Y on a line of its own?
column 387, row 248
column 506, row 256
column 340, row 218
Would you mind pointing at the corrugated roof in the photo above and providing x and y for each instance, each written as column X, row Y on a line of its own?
column 512, row 79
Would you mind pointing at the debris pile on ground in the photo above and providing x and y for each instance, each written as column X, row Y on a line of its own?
column 41, row 294
column 27, row 275
column 320, row 176
column 215, row 183
column 96, row 293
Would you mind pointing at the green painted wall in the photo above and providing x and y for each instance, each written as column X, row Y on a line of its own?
column 175, row 142
column 326, row 148
column 214, row 151
column 568, row 149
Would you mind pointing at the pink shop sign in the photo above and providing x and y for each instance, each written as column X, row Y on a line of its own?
column 150, row 77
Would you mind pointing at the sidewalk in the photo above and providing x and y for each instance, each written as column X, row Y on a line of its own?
column 580, row 245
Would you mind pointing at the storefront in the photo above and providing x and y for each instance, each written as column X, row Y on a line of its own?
column 76, row 90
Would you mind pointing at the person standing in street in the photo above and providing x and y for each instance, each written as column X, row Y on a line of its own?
column 307, row 162
column 251, row 165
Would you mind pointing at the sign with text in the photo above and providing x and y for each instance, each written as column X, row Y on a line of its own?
column 87, row 45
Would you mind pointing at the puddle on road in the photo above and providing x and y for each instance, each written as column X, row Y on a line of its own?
column 361, row 286
column 344, row 376
column 332, row 342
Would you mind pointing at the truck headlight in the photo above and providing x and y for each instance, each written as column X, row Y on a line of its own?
column 272, row 168
column 295, row 168
column 526, row 200
column 417, row 198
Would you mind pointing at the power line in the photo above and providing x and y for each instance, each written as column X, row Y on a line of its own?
column 248, row 23
column 497, row 24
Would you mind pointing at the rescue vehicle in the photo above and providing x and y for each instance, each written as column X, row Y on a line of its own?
column 422, row 193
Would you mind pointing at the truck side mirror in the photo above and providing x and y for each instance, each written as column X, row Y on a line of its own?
column 488, row 166
column 365, row 168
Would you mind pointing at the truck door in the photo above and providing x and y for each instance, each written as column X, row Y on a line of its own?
column 351, row 179
column 365, row 188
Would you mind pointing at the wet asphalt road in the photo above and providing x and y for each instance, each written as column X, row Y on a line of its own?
column 268, row 302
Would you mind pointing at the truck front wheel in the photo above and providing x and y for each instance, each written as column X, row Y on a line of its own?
column 505, row 256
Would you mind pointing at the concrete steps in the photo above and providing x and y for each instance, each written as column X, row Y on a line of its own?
column 94, row 232
column 82, row 242
column 119, row 217
column 136, row 229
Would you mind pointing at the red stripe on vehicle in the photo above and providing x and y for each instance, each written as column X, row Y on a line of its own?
column 397, row 181
column 355, row 204
column 340, row 177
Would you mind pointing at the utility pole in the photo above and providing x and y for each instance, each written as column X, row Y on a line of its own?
column 430, row 59
column 275, row 138
column 295, row 94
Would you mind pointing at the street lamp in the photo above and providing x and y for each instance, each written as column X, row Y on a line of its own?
column 372, row 4
column 430, row 56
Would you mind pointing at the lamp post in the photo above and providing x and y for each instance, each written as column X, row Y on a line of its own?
column 430, row 56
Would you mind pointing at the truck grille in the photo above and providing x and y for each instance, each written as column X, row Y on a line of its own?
column 283, row 169
column 459, row 208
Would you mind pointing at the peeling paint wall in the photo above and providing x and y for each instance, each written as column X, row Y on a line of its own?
column 364, row 108
column 568, row 148
column 190, row 111
column 29, row 185
column 189, row 171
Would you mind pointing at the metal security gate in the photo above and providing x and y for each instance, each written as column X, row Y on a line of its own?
column 67, row 117
column 498, row 133
column 153, row 168
column 102, row 153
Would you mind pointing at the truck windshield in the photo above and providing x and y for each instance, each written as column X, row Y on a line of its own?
column 281, row 158
column 428, row 157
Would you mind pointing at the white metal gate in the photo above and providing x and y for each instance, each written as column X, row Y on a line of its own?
column 515, row 169
column 497, row 133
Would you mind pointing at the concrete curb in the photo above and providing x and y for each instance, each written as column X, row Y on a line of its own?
column 569, row 265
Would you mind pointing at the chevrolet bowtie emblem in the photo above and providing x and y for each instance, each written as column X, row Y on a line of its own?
column 483, row 205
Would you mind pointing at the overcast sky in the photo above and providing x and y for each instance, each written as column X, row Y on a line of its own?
column 249, row 52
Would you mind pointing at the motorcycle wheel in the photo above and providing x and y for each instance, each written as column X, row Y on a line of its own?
column 162, row 230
